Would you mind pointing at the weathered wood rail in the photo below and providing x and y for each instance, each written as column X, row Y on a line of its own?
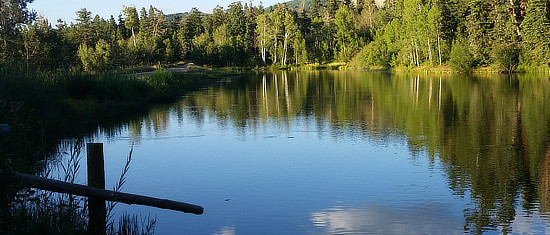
column 108, row 195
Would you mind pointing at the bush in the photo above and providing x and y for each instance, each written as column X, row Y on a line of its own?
column 507, row 58
column 374, row 54
column 461, row 59
column 161, row 80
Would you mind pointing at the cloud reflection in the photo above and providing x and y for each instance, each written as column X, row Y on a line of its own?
column 377, row 219
column 227, row 230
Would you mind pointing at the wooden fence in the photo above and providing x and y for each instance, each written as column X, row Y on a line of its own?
column 95, row 191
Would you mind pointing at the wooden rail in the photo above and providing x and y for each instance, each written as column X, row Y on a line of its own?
column 95, row 191
column 108, row 195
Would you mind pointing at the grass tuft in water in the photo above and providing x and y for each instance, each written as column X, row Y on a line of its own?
column 43, row 212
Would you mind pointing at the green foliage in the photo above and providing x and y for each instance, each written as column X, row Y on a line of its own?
column 461, row 59
column 346, row 37
column 236, row 21
column 13, row 14
column 131, row 20
column 507, row 58
column 374, row 54
column 536, row 33
column 161, row 80
column 478, row 28
column 41, row 49
column 411, row 33
column 97, row 59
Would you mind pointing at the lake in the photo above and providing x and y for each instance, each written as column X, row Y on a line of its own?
column 345, row 152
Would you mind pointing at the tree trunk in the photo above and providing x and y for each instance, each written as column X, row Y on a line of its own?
column 439, row 50
column 430, row 52
column 285, row 48
column 276, row 46
column 263, row 53
column 514, row 17
column 263, row 44
column 134, row 36
column 416, row 54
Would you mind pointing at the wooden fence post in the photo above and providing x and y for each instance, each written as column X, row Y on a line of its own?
column 96, row 179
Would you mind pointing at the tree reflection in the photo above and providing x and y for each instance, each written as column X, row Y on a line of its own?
column 491, row 133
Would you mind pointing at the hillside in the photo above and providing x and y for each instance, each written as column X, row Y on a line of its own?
column 297, row 4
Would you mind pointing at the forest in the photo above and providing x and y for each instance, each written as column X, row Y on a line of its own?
column 508, row 35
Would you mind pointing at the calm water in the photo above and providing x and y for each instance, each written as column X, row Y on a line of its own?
column 333, row 152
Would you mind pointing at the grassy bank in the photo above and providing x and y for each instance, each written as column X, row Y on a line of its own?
column 43, row 107
column 495, row 68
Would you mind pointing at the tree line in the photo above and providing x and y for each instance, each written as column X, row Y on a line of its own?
column 507, row 34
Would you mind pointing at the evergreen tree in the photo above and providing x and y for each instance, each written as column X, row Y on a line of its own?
column 38, row 42
column 329, row 10
column 219, row 17
column 315, row 9
column 13, row 15
column 131, row 21
column 95, row 59
column 461, row 58
column 84, row 31
column 346, row 37
column 236, row 21
column 145, row 22
column 190, row 27
column 536, row 33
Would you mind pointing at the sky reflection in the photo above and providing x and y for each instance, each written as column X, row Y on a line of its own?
column 425, row 218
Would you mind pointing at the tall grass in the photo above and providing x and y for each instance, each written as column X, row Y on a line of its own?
column 44, row 107
column 56, row 105
column 44, row 212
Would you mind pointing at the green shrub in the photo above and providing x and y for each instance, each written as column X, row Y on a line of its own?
column 507, row 58
column 374, row 54
column 161, row 80
column 461, row 59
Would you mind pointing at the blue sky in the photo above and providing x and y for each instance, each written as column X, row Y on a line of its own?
column 66, row 9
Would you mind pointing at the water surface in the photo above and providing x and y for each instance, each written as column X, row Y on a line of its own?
column 335, row 152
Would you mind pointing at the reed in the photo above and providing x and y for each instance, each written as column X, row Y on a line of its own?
column 44, row 212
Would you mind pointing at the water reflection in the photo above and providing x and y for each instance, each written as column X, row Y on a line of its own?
column 226, row 231
column 492, row 133
column 429, row 218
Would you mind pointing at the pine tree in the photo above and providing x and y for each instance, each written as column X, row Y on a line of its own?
column 505, row 37
column 13, row 14
column 346, row 36
column 315, row 9
column 84, row 31
column 38, row 45
column 478, row 28
column 131, row 20
column 536, row 33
